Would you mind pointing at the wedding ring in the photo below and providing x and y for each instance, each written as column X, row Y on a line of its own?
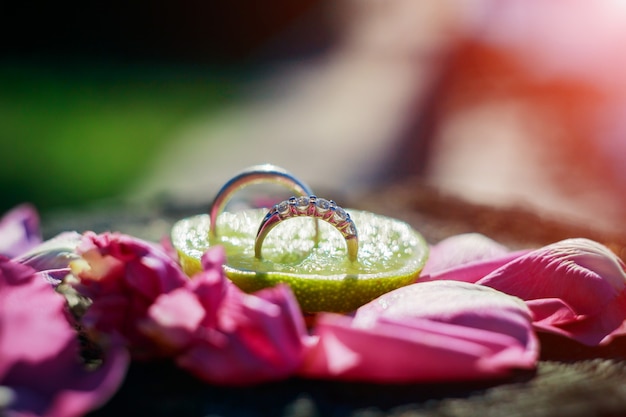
column 314, row 207
column 254, row 175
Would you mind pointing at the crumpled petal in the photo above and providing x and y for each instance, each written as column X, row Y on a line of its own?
column 466, row 257
column 123, row 275
column 19, row 230
column 231, row 337
column 433, row 331
column 574, row 287
column 39, row 351
column 259, row 341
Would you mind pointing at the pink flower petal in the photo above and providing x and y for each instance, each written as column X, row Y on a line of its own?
column 470, row 272
column 462, row 249
column 225, row 336
column 432, row 331
column 19, row 231
column 465, row 257
column 173, row 319
column 123, row 276
column 552, row 311
column 574, row 287
column 258, row 337
column 39, row 351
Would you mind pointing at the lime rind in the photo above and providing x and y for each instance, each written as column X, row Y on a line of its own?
column 391, row 254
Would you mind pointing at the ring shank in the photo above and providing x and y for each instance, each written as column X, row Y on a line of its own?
column 254, row 175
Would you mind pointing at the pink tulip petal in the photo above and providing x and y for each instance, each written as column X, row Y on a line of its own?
column 432, row 331
column 39, row 351
column 586, row 277
column 19, row 230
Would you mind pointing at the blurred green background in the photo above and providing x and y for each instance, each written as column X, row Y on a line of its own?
column 73, row 135
column 89, row 94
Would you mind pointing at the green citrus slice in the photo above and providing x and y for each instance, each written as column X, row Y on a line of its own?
column 391, row 254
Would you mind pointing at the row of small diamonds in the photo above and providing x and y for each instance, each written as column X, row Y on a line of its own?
column 320, row 208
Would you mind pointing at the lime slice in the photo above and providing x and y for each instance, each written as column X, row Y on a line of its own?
column 391, row 254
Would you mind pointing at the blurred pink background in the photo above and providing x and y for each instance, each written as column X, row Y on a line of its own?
column 504, row 102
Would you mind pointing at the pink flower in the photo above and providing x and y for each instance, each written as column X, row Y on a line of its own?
column 19, row 231
column 122, row 276
column 575, row 288
column 434, row 331
column 225, row 336
column 40, row 370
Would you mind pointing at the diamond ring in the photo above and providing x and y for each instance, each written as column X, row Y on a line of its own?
column 314, row 207
column 254, row 175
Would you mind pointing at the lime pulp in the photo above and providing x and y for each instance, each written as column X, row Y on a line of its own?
column 391, row 254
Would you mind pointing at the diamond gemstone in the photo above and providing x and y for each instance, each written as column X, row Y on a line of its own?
column 340, row 215
column 322, row 205
column 302, row 203
column 283, row 207
column 350, row 229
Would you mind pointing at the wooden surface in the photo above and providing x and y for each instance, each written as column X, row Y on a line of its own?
column 571, row 380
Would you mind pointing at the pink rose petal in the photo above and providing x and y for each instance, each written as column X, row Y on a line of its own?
column 173, row 319
column 466, row 257
column 433, row 331
column 259, row 339
column 461, row 249
column 225, row 336
column 39, row 351
column 574, row 288
column 471, row 272
column 123, row 276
